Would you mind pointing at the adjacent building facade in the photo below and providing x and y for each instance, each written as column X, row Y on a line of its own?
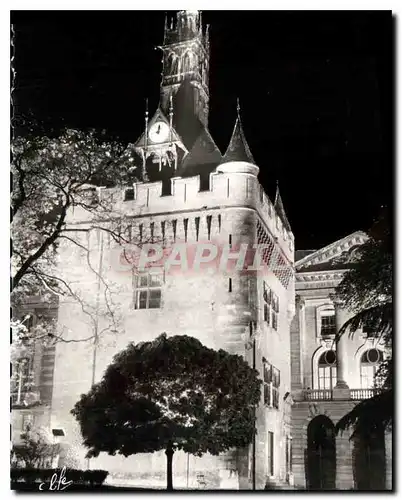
column 282, row 320
column 329, row 378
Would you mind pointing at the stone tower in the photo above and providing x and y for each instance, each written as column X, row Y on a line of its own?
column 189, row 194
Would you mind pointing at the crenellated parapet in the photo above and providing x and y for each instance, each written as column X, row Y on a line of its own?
column 237, row 190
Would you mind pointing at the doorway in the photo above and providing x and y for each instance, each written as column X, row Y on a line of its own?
column 321, row 454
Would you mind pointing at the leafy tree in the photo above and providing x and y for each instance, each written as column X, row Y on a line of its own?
column 367, row 290
column 170, row 394
column 52, row 175
column 34, row 451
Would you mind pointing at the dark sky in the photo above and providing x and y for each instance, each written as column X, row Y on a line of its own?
column 316, row 93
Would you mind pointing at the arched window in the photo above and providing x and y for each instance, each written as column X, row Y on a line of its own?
column 188, row 62
column 369, row 364
column 327, row 370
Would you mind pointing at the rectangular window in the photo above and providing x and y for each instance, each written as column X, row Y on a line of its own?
column 129, row 194
column 22, row 378
column 270, row 453
column 230, row 284
column 326, row 377
column 328, row 326
column 367, row 376
column 197, row 227
column 152, row 228
column 27, row 422
column 185, row 222
column 148, row 292
column 272, row 381
column 270, row 306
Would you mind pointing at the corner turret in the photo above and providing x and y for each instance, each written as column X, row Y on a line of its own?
column 238, row 157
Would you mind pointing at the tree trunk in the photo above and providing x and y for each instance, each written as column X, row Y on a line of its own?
column 169, row 454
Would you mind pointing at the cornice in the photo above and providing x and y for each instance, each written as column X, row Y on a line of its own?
column 314, row 276
column 332, row 251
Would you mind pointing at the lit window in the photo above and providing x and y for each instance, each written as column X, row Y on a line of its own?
column 272, row 380
column 369, row 365
column 148, row 291
column 327, row 370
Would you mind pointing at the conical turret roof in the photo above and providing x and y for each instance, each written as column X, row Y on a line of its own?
column 280, row 210
column 238, row 149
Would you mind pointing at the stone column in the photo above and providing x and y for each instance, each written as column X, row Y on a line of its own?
column 341, row 389
column 341, row 347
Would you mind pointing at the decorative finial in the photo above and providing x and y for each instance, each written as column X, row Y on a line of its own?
column 146, row 107
column 238, row 107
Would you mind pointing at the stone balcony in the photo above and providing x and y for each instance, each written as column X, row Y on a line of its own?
column 331, row 394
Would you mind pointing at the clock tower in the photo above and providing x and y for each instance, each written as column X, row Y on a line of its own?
column 185, row 71
column 160, row 148
column 176, row 140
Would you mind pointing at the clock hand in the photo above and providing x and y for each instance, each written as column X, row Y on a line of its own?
column 159, row 129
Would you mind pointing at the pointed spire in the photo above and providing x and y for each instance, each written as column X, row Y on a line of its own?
column 280, row 210
column 165, row 28
column 238, row 149
column 146, row 121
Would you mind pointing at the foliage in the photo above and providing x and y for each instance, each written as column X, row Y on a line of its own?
column 367, row 290
column 50, row 177
column 33, row 451
column 172, row 393
column 79, row 477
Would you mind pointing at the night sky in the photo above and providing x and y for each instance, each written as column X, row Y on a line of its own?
column 315, row 88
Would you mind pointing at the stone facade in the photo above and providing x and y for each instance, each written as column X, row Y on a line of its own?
column 329, row 389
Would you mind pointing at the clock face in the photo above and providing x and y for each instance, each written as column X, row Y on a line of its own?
column 159, row 132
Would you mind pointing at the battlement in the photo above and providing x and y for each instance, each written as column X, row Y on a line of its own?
column 227, row 190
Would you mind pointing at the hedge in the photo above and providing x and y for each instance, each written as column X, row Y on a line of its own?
column 78, row 477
